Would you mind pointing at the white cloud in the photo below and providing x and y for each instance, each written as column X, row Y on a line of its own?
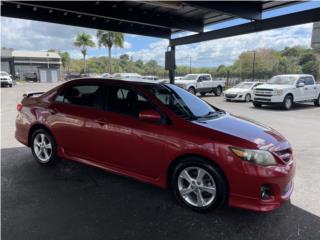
column 226, row 50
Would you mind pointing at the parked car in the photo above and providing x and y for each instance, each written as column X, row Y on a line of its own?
column 31, row 76
column 6, row 80
column 286, row 90
column 150, row 77
column 127, row 76
column 163, row 135
column 241, row 92
column 72, row 75
column 201, row 83
column 105, row 75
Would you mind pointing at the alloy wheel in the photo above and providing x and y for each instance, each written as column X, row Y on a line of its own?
column 196, row 186
column 42, row 147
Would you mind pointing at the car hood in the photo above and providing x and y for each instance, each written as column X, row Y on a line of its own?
column 274, row 86
column 183, row 81
column 237, row 90
column 262, row 137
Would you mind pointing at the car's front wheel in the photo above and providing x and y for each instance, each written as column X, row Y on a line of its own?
column 287, row 102
column 43, row 147
column 199, row 185
column 248, row 98
column 256, row 104
column 218, row 91
column 192, row 90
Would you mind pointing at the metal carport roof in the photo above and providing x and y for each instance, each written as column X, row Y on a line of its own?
column 161, row 18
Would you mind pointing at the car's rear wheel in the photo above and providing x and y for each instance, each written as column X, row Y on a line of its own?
column 199, row 185
column 287, row 102
column 317, row 101
column 43, row 147
column 218, row 91
column 248, row 98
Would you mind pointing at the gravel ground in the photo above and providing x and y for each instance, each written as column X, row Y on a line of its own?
column 73, row 201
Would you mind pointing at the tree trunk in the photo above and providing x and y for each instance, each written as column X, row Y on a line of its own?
column 110, row 63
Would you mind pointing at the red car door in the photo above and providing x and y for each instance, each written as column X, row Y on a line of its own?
column 130, row 143
column 75, row 117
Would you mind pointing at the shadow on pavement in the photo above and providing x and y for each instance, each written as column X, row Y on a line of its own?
column 74, row 201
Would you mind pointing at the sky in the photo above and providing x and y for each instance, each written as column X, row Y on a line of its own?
column 32, row 35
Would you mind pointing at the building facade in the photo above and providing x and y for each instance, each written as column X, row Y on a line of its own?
column 32, row 65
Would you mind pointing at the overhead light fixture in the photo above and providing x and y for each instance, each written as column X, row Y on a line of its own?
column 65, row 13
column 93, row 18
column 79, row 16
column 18, row 6
column 107, row 20
column 50, row 11
column 35, row 9
column 114, row 6
column 97, row 3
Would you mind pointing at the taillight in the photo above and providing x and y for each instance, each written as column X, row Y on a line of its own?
column 19, row 107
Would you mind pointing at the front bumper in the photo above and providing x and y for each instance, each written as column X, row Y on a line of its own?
column 234, row 97
column 246, row 181
column 268, row 99
column 6, row 83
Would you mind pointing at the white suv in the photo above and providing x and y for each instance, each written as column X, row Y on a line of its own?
column 287, row 90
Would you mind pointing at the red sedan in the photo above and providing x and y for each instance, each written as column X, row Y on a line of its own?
column 163, row 135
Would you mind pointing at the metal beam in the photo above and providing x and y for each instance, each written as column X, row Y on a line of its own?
column 52, row 15
column 117, row 11
column 244, row 9
column 287, row 20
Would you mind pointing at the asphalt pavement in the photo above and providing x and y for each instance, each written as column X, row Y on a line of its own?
column 75, row 201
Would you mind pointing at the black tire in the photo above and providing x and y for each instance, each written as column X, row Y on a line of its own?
column 228, row 100
column 247, row 98
column 317, row 101
column 218, row 91
column 256, row 104
column 10, row 85
column 287, row 102
column 192, row 90
column 203, row 94
column 53, row 158
column 221, row 192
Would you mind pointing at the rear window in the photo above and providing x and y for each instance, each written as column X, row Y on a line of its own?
column 82, row 95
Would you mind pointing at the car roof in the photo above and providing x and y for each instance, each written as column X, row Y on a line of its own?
column 113, row 81
column 295, row 75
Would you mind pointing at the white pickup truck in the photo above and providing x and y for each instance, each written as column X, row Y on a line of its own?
column 201, row 83
column 286, row 90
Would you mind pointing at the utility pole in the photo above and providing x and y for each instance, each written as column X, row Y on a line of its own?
column 253, row 64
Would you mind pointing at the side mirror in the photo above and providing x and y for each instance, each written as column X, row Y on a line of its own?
column 300, row 84
column 149, row 115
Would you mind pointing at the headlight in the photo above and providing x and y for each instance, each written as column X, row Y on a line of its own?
column 277, row 92
column 260, row 157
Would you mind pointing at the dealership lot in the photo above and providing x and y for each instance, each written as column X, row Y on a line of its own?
column 72, row 201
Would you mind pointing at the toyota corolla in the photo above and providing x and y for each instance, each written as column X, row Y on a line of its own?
column 162, row 135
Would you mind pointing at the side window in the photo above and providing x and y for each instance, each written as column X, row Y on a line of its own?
column 309, row 81
column 301, row 80
column 206, row 78
column 126, row 101
column 200, row 79
column 83, row 95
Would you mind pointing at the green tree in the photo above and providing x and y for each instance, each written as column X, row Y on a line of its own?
column 83, row 41
column 65, row 59
column 109, row 39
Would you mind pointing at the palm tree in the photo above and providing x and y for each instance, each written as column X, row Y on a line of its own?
column 109, row 39
column 83, row 41
column 65, row 59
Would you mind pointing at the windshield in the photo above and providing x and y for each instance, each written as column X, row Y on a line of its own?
column 282, row 80
column 181, row 102
column 244, row 85
column 190, row 77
